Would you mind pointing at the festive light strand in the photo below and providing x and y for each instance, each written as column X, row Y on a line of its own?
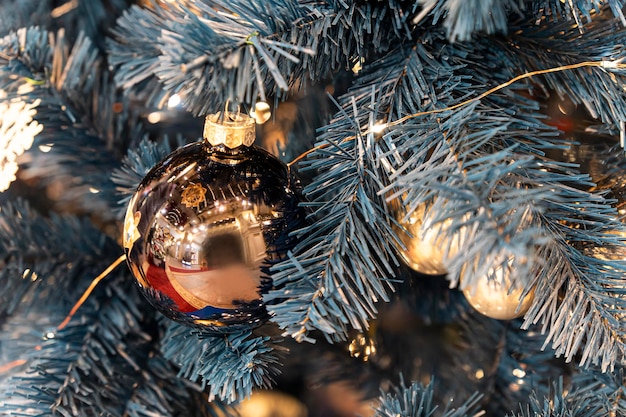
column 596, row 64
column 90, row 289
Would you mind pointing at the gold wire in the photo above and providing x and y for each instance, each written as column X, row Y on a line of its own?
column 90, row 289
column 598, row 64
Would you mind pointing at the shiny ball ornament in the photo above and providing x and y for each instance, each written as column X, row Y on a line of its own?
column 494, row 297
column 425, row 244
column 204, row 224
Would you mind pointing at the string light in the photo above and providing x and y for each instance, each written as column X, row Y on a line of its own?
column 17, row 133
column 606, row 64
column 173, row 101
column 89, row 290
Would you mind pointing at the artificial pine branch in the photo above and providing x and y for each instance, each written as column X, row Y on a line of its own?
column 416, row 400
column 485, row 160
column 464, row 19
column 578, row 10
column 107, row 344
column 507, row 363
column 485, row 135
column 597, row 396
column 602, row 393
column 91, row 366
column 162, row 393
column 488, row 16
column 40, row 68
column 44, row 255
column 599, row 90
column 136, row 164
column 229, row 365
column 21, row 13
column 56, row 255
column 211, row 53
column 345, row 262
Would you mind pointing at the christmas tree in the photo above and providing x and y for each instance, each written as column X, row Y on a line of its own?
column 456, row 247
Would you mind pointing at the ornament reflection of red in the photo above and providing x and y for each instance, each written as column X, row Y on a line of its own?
column 158, row 279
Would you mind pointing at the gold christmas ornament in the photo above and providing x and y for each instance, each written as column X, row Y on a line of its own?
column 614, row 184
column 261, row 112
column 427, row 246
column 495, row 298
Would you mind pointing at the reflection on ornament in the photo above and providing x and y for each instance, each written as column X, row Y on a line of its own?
column 494, row 297
column 193, row 195
column 202, row 224
column 131, row 234
column 261, row 112
column 427, row 246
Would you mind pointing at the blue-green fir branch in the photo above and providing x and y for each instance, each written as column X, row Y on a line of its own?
column 579, row 294
column 554, row 405
column 134, row 52
column 40, row 64
column 161, row 392
column 219, row 47
column 464, row 162
column 462, row 19
column 73, row 147
column 603, row 393
column 345, row 262
column 245, row 50
column 598, row 89
column 478, row 162
column 92, row 17
column 501, row 361
column 601, row 397
column 416, row 400
column 136, row 164
column 580, row 11
column 156, row 388
column 579, row 302
column 89, row 367
column 229, row 366
column 44, row 255
column 21, row 13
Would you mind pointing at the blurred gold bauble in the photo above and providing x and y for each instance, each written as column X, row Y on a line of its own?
column 271, row 404
column 494, row 297
column 426, row 246
column 261, row 112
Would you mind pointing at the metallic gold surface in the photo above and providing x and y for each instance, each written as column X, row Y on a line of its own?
column 201, row 226
column 427, row 247
column 261, row 112
column 495, row 298
column 231, row 130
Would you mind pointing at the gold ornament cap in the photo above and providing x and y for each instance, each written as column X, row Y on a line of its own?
column 231, row 129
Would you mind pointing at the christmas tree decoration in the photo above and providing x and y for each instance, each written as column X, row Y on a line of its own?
column 493, row 296
column 479, row 108
column 613, row 184
column 427, row 245
column 205, row 222
column 261, row 112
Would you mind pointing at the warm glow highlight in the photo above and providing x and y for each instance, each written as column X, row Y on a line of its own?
column 17, row 132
